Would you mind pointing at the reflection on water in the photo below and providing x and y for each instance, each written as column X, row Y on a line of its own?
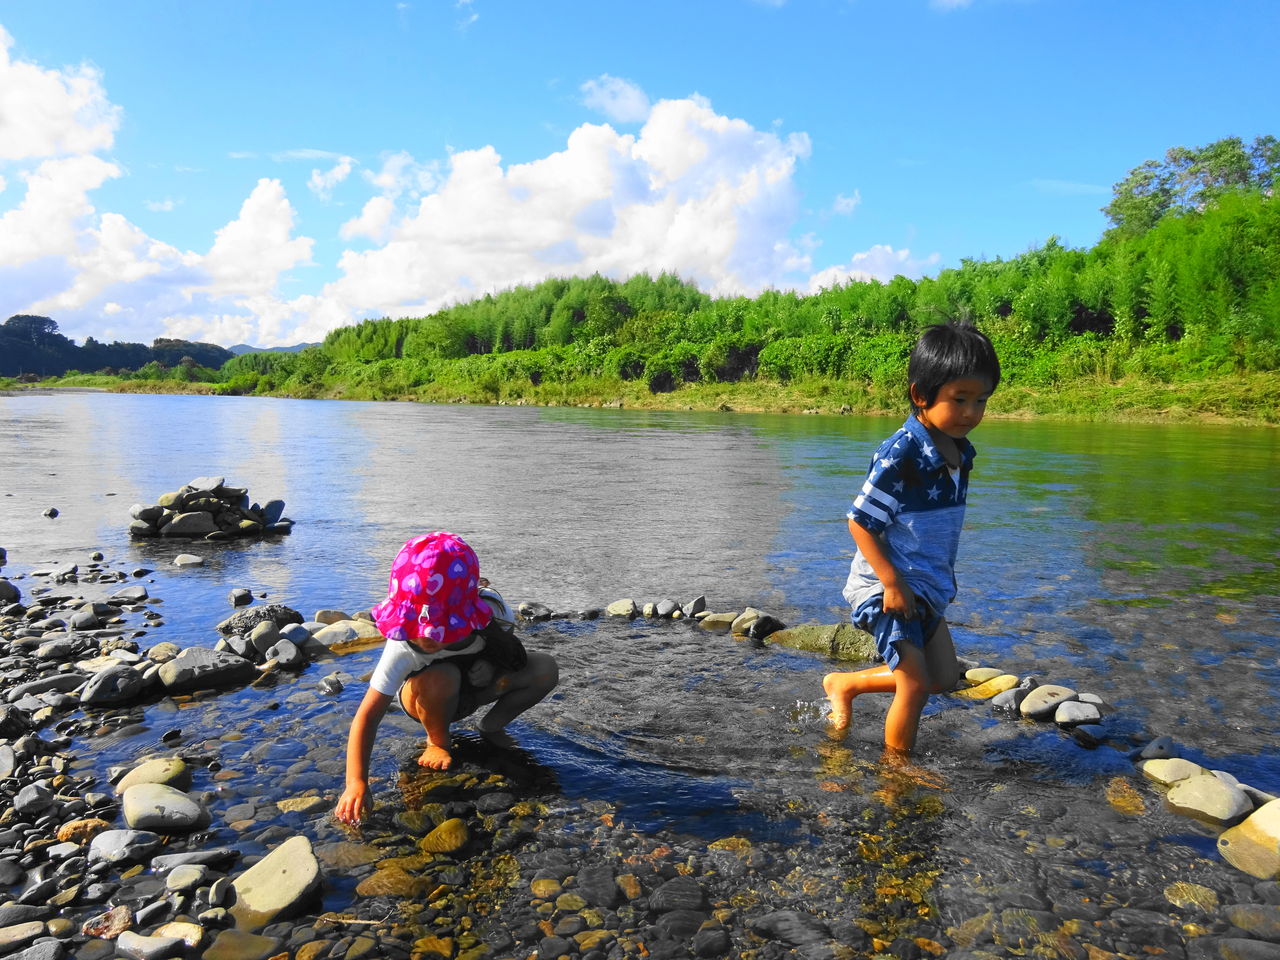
column 1139, row 562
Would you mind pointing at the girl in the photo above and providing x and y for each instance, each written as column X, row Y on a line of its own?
column 906, row 524
column 449, row 650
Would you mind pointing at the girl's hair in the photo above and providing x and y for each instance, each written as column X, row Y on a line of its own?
column 946, row 352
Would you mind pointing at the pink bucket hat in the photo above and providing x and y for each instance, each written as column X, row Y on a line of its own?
column 432, row 593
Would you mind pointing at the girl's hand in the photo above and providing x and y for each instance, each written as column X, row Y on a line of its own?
column 353, row 802
column 899, row 602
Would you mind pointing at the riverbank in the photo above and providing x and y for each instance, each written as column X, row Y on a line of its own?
column 1245, row 399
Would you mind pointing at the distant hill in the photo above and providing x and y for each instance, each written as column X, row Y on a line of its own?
column 240, row 348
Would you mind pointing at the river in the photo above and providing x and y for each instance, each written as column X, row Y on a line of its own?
column 1135, row 561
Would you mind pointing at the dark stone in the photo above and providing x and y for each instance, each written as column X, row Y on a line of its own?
column 763, row 626
column 495, row 802
column 533, row 611
column 553, row 946
column 679, row 893
column 711, row 942
column 596, row 885
column 680, row 924
column 244, row 621
column 791, row 926
column 240, row 597
column 1231, row 948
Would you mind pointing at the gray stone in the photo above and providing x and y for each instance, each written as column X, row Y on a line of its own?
column 189, row 525
column 19, row 935
column 188, row 560
column 61, row 682
column 8, row 592
column 666, row 607
column 240, row 597
column 1161, row 748
column 85, row 620
column 123, row 846
column 742, row 623
column 1042, row 702
column 1074, row 712
column 170, row 771
column 209, row 484
column 695, row 606
column 272, row 511
column 287, row 655
column 33, row 800
column 843, row 641
column 134, row 594
column 202, row 668
column 244, row 621
column 141, row 530
column 765, row 626
column 678, row 893
column 113, row 685
column 1170, row 771
column 791, row 926
column 41, row 950
column 155, row 806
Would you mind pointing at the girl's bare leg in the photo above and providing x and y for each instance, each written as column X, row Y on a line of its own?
column 841, row 688
column 514, row 693
column 431, row 697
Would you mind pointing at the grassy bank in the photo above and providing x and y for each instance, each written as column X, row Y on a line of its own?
column 1244, row 399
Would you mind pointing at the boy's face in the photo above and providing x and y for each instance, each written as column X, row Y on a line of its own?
column 958, row 408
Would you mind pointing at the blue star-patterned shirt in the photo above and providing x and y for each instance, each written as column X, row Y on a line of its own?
column 914, row 504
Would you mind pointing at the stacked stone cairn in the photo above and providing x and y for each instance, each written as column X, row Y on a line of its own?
column 207, row 509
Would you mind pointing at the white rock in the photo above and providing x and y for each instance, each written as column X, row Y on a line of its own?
column 188, row 560
column 1170, row 771
column 149, row 948
column 1042, row 702
column 277, row 885
column 154, row 806
column 1072, row 713
column 1210, row 799
column 120, row 846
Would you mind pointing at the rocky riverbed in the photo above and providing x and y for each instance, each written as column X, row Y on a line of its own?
column 171, row 796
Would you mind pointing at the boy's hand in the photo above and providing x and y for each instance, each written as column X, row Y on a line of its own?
column 353, row 802
column 899, row 602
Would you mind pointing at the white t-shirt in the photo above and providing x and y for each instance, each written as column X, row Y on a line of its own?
column 400, row 660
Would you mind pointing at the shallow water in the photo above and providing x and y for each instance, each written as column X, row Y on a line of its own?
column 1138, row 562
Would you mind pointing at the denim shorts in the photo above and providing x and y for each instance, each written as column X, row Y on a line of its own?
column 889, row 631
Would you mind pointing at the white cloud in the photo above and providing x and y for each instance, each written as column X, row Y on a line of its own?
column 251, row 252
column 403, row 175
column 50, row 113
column 846, row 205
column 47, row 220
column 167, row 205
column 373, row 221
column 322, row 183
column 881, row 262
column 620, row 100
column 3, row 184
column 242, row 155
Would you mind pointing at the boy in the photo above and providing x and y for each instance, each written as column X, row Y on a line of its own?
column 906, row 524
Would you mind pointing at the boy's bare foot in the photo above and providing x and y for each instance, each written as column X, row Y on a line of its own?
column 435, row 758
column 841, row 701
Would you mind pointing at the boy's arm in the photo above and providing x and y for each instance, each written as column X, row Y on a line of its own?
column 364, row 726
column 898, row 598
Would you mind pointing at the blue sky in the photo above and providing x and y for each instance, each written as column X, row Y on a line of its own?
column 265, row 172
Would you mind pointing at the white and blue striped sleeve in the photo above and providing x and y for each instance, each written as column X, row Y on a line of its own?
column 877, row 504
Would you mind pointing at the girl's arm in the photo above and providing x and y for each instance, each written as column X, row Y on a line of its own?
column 364, row 726
column 898, row 598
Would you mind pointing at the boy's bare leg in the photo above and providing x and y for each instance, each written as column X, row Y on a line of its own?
column 431, row 697
column 841, row 688
column 514, row 693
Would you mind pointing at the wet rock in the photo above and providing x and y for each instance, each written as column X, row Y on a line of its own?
column 20, row 935
column 155, row 806
column 170, row 771
column 239, row 945
column 678, row 893
column 188, row 560
column 134, row 594
column 109, row 925
column 665, row 607
column 1259, row 920
column 765, row 626
column 975, row 676
column 1042, row 702
column 198, row 668
column 244, row 621
column 449, row 836
column 191, row 934
column 1231, row 948
column 840, row 640
column 8, row 592
column 33, row 800
column 718, row 622
column 791, row 926
column 1169, row 772
column 41, row 950
column 141, row 947
column 119, row 684
column 275, row 887
column 82, row 831
column 286, row 655
column 1161, row 748
column 993, row 686
column 1074, row 712
column 302, row 805
column 533, row 611
column 391, row 882
column 240, row 597
column 743, row 621
column 694, row 606
column 344, row 637
column 1089, row 734
column 711, row 941
column 1254, row 844
column 622, row 608
column 122, row 846
column 596, row 885
column 1209, row 799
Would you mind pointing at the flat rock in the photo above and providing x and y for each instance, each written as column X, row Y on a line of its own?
column 622, row 608
column 276, row 886
column 843, row 641
column 1042, row 702
column 345, row 636
column 1210, row 799
column 189, row 525
column 1170, row 771
column 988, row 688
column 1074, row 712
column 1253, row 845
column 743, row 621
column 791, row 926
column 122, row 846
column 678, row 893
column 718, row 622
column 188, row 560
column 977, row 675
column 141, row 947
column 329, row 616
column 19, row 935
column 115, row 684
column 239, row 945
column 199, row 668
column 155, row 806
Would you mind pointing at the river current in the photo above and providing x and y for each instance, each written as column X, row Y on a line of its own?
column 1138, row 562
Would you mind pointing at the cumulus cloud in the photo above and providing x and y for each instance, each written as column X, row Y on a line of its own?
column 881, row 262
column 322, row 182
column 49, row 113
column 401, row 175
column 372, row 222
column 251, row 252
column 620, row 100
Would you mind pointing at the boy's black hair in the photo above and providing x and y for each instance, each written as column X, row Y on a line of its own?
column 946, row 352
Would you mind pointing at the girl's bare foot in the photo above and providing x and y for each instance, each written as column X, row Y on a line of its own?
column 498, row 736
column 841, row 698
column 435, row 758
